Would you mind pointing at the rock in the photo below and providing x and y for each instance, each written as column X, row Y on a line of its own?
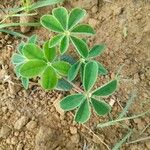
column 57, row 106
column 31, row 125
column 21, row 122
column 73, row 130
column 5, row 131
column 20, row 146
column 43, row 138
column 75, row 138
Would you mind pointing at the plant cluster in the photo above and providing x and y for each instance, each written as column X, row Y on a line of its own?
column 57, row 70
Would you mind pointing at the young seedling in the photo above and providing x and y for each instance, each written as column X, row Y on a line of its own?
column 56, row 70
column 66, row 25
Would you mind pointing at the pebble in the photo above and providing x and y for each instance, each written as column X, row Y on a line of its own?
column 73, row 130
column 5, row 131
column 31, row 125
column 75, row 138
column 21, row 122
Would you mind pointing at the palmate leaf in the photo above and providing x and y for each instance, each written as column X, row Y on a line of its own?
column 17, row 70
column 75, row 16
column 32, row 51
column 32, row 39
column 20, row 47
column 49, row 53
column 64, row 44
column 63, row 85
column 80, row 46
column 49, row 78
column 50, row 22
column 74, row 71
column 25, row 82
column 101, row 69
column 68, row 58
column 83, row 113
column 61, row 14
column 90, row 75
column 107, row 89
column 100, row 107
column 18, row 59
column 61, row 67
column 55, row 40
column 83, row 29
column 71, row 102
column 96, row 50
column 32, row 68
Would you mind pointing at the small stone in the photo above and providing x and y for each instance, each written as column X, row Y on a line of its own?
column 20, row 146
column 31, row 125
column 73, row 130
column 14, row 140
column 94, row 9
column 5, row 131
column 147, row 144
column 75, row 138
column 21, row 122
column 57, row 106
column 4, row 109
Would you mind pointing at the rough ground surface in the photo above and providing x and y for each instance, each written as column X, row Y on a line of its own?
column 31, row 119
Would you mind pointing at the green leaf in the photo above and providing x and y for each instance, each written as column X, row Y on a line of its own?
column 61, row 14
column 25, row 82
column 62, row 67
column 106, row 89
column 100, row 107
column 83, row 29
column 51, row 23
column 83, row 113
column 90, row 75
column 32, row 51
column 63, row 85
column 71, row 102
column 32, row 39
column 101, row 69
column 17, row 70
column 96, row 50
column 64, row 44
column 80, row 46
column 55, row 40
column 82, row 71
column 17, row 59
column 73, row 71
column 75, row 16
column 20, row 47
column 49, row 78
column 50, row 53
column 32, row 68
column 68, row 58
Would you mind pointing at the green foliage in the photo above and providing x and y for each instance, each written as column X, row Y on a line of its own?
column 65, row 24
column 56, row 70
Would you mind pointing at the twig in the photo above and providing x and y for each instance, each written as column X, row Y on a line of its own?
column 139, row 140
column 144, row 129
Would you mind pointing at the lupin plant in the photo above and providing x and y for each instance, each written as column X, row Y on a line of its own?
column 56, row 70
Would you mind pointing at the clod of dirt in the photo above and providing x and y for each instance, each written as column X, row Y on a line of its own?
column 43, row 138
column 75, row 138
column 31, row 125
column 21, row 122
column 73, row 130
column 20, row 146
column 5, row 131
column 25, row 19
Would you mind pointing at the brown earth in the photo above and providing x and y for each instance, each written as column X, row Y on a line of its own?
column 31, row 119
